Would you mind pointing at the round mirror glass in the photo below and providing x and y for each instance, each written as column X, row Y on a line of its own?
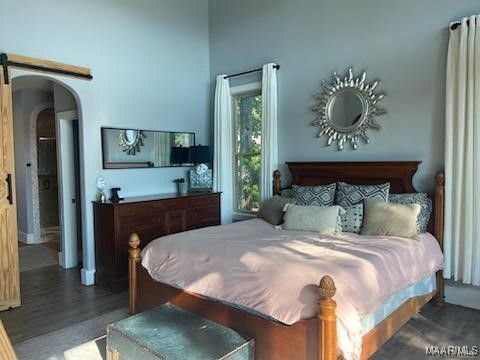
column 345, row 109
column 130, row 136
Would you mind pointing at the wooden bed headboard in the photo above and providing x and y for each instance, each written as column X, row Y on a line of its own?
column 398, row 173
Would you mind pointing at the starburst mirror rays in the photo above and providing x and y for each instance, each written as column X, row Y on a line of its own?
column 347, row 108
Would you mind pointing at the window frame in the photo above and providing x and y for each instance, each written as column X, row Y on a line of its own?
column 251, row 89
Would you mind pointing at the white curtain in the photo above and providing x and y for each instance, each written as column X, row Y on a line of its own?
column 462, row 154
column 269, row 150
column 223, row 149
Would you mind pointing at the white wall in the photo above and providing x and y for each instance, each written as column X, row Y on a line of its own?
column 24, row 103
column 150, row 62
column 64, row 99
column 401, row 43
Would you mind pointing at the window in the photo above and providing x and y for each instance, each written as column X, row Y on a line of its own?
column 247, row 128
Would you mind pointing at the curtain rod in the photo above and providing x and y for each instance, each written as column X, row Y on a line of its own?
column 249, row 72
column 457, row 24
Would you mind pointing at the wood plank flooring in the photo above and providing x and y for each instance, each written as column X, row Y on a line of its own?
column 53, row 298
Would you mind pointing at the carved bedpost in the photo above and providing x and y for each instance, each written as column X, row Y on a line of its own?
column 439, row 217
column 133, row 260
column 277, row 182
column 327, row 320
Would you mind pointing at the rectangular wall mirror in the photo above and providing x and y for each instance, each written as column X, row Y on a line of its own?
column 132, row 148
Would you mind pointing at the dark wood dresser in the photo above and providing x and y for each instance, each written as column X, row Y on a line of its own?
column 150, row 217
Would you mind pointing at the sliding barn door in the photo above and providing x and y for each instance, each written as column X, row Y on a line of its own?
column 9, row 267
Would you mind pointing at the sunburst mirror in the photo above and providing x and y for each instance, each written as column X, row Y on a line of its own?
column 130, row 141
column 347, row 109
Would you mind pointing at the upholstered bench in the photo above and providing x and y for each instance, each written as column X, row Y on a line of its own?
column 168, row 332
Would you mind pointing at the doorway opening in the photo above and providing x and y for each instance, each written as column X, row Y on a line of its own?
column 45, row 121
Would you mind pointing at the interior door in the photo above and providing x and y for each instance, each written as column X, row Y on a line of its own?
column 68, row 256
column 9, row 265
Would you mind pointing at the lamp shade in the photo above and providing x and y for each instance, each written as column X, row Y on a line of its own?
column 179, row 155
column 200, row 154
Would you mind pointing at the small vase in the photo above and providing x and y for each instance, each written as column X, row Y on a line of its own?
column 182, row 188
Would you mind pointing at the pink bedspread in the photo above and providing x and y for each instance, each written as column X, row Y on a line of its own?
column 275, row 272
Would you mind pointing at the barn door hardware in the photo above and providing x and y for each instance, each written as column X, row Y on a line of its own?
column 5, row 62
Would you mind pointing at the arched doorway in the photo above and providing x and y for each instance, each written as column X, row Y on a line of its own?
column 46, row 142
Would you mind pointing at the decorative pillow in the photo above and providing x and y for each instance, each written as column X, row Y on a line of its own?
column 423, row 200
column 287, row 193
column 325, row 220
column 322, row 195
column 352, row 220
column 348, row 194
column 272, row 209
column 388, row 219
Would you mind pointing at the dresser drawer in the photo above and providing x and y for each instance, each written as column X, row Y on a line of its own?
column 151, row 206
column 202, row 214
column 202, row 201
column 136, row 223
column 139, row 208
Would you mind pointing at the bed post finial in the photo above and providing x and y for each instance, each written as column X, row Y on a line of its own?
column 133, row 260
column 277, row 182
column 439, row 219
column 327, row 320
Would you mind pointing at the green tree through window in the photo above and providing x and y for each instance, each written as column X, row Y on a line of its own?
column 247, row 145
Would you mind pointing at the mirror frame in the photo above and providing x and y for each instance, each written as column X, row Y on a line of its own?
column 132, row 165
column 369, row 99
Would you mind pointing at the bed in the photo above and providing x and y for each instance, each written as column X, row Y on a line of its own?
column 314, row 334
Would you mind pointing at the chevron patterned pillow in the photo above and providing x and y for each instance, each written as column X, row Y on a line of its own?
column 321, row 195
column 348, row 194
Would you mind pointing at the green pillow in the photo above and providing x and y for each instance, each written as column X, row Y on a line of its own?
column 272, row 209
column 325, row 220
column 389, row 219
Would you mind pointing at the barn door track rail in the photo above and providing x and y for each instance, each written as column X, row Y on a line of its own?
column 25, row 62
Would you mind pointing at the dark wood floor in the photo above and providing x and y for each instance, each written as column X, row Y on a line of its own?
column 53, row 298
column 449, row 326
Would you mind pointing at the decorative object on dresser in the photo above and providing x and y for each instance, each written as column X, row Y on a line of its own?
column 347, row 109
column 151, row 217
column 115, row 198
column 201, row 175
column 182, row 187
column 101, row 197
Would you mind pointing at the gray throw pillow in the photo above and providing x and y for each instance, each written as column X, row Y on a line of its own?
column 272, row 209
column 321, row 195
column 352, row 220
column 348, row 194
column 388, row 219
column 287, row 193
column 416, row 198
column 325, row 220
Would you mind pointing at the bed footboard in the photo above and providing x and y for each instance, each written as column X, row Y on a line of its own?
column 327, row 320
column 133, row 260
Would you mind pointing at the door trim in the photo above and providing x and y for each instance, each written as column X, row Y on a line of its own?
column 68, row 255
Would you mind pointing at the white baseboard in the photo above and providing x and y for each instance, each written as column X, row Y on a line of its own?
column 461, row 294
column 27, row 238
column 88, row 277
